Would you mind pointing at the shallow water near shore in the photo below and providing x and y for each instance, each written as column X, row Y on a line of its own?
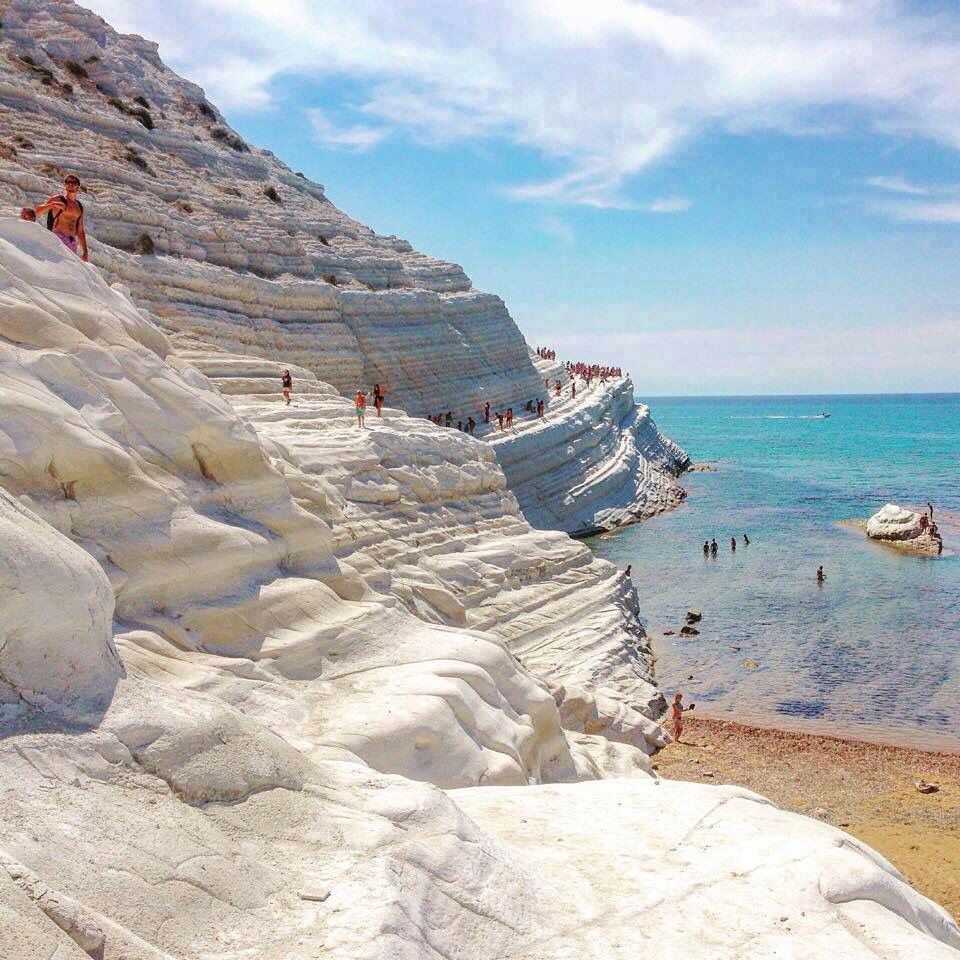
column 872, row 653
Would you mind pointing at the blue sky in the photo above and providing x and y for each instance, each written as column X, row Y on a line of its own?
column 738, row 197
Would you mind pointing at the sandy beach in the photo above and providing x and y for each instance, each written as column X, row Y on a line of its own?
column 866, row 789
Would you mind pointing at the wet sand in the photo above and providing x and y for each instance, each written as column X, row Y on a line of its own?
column 867, row 789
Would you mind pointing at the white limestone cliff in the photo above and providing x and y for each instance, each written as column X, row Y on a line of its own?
column 243, row 646
column 236, row 251
column 227, row 786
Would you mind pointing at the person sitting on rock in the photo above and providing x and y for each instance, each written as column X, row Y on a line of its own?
column 360, row 402
column 65, row 216
column 286, row 383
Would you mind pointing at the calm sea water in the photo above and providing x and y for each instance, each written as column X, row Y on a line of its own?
column 875, row 651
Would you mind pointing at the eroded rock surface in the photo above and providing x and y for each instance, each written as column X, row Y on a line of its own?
column 229, row 248
column 892, row 522
column 316, row 626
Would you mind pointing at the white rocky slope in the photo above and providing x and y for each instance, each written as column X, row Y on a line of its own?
column 262, row 264
column 216, row 791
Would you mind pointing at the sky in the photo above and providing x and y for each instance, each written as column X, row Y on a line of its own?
column 720, row 196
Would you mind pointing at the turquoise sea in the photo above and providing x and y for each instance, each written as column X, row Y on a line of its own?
column 874, row 652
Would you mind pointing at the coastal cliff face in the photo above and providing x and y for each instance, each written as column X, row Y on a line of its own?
column 262, row 264
column 246, row 649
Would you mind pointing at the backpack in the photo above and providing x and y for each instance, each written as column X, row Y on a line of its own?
column 53, row 218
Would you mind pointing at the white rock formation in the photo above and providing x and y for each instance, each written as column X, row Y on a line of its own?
column 262, row 264
column 316, row 627
column 892, row 522
column 688, row 859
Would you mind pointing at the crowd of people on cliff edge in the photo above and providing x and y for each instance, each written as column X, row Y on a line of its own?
column 64, row 216
column 536, row 406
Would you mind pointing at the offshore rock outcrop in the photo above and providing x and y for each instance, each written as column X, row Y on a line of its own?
column 248, row 256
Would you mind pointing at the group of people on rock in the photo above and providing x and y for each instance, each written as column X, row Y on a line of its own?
column 379, row 395
column 64, row 216
column 545, row 354
column 593, row 371
column 928, row 526
column 446, row 420
column 710, row 547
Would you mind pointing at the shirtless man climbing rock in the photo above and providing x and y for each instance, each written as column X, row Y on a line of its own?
column 66, row 216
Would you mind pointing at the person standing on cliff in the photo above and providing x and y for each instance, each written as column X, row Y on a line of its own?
column 360, row 402
column 65, row 216
column 930, row 508
column 286, row 382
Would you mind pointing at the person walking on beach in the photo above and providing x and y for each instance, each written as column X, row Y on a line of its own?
column 706, row 548
column 677, row 710
column 820, row 574
column 360, row 402
column 65, row 216
column 286, row 383
column 713, row 547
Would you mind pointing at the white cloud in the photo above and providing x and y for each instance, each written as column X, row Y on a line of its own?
column 946, row 212
column 602, row 90
column 670, row 205
column 897, row 185
column 354, row 137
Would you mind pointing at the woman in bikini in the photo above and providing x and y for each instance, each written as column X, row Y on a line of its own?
column 677, row 710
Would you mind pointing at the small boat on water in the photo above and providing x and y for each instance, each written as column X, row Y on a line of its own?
column 824, row 415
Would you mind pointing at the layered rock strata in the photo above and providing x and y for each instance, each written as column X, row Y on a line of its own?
column 236, row 251
column 224, row 785
column 243, row 643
